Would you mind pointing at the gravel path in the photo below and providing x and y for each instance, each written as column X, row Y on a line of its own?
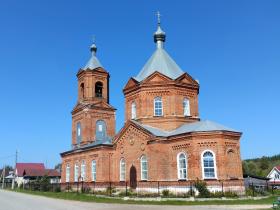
column 19, row 201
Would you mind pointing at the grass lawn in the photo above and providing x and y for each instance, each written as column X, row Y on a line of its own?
column 92, row 198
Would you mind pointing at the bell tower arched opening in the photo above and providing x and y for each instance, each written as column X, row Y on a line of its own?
column 98, row 89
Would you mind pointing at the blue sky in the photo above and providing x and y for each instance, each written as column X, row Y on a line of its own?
column 232, row 47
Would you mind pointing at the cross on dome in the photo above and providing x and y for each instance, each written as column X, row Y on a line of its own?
column 158, row 17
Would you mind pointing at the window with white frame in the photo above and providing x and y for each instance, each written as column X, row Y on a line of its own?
column 144, row 168
column 158, row 106
column 67, row 175
column 133, row 110
column 208, row 161
column 83, row 171
column 122, row 170
column 93, row 170
column 186, row 107
column 182, row 166
column 76, row 173
column 276, row 176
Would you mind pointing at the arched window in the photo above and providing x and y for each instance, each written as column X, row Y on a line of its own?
column 98, row 89
column 209, row 165
column 82, row 90
column 100, row 133
column 133, row 110
column 67, row 175
column 158, row 106
column 93, row 171
column 182, row 166
column 122, row 170
column 83, row 171
column 186, row 107
column 79, row 133
column 76, row 173
column 144, row 168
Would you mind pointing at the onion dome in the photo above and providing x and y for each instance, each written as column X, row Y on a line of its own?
column 93, row 62
column 160, row 61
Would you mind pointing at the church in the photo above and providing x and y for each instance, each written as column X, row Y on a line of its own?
column 163, row 138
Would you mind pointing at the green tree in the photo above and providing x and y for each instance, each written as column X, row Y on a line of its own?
column 264, row 164
column 245, row 167
column 252, row 168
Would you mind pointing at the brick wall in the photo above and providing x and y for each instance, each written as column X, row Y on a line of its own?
column 172, row 93
column 162, row 156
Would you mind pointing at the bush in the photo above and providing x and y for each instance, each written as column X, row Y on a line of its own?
column 147, row 194
column 217, row 194
column 165, row 193
column 68, row 188
column 220, row 194
column 249, row 192
column 86, row 190
column 184, row 195
column 202, row 189
column 44, row 182
column 57, row 189
column 276, row 191
column 129, row 193
column 230, row 194
column 110, row 190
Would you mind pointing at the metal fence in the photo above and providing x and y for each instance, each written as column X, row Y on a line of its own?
column 150, row 188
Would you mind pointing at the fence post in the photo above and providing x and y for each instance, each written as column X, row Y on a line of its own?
column 191, row 188
column 222, row 187
column 82, row 190
column 253, row 188
column 158, row 190
column 267, row 189
column 126, row 188
column 110, row 186
column 78, row 187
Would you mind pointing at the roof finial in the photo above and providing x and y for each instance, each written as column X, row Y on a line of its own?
column 93, row 62
column 93, row 47
column 159, row 35
column 158, row 17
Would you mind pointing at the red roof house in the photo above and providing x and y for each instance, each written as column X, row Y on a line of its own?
column 41, row 173
column 31, row 171
column 20, row 167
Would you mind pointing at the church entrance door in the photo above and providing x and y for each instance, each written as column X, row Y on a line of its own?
column 133, row 177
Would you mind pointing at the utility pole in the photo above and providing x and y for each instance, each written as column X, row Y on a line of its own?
column 14, row 175
column 3, row 174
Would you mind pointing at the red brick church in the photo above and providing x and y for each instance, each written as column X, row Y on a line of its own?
column 163, row 138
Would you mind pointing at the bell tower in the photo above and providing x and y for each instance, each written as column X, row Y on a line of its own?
column 93, row 80
column 93, row 118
